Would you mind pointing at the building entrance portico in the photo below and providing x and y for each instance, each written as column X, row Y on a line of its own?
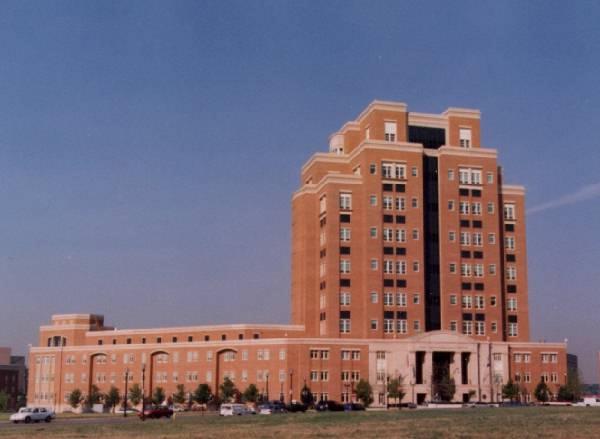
column 435, row 366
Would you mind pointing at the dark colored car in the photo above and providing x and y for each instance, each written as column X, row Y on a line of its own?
column 329, row 406
column 296, row 407
column 271, row 407
column 156, row 412
column 353, row 407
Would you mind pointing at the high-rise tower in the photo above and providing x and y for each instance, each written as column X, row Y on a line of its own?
column 405, row 226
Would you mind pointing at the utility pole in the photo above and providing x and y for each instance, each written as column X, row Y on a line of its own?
column 143, row 398
column 125, row 397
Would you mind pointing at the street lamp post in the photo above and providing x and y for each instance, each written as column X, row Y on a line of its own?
column 267, row 375
column 143, row 386
column 125, row 397
column 291, row 385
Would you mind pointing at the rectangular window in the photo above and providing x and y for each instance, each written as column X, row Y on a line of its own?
column 450, row 204
column 390, row 131
column 373, row 200
column 476, row 208
column 388, row 202
column 388, row 326
column 401, row 326
column 451, row 236
column 400, row 235
column 479, row 328
column 345, row 201
column 373, row 232
column 467, row 327
column 511, row 273
column 414, row 202
column 490, row 208
column 345, row 234
column 345, row 299
column 511, row 304
column 388, row 299
column 465, row 137
column 374, row 324
column 509, row 212
column 416, row 298
column 344, row 326
column 450, row 174
column 400, row 267
column 388, row 266
column 374, row 297
column 344, row 266
column 513, row 330
column 509, row 242
column 467, row 302
column 400, row 203
column 401, row 299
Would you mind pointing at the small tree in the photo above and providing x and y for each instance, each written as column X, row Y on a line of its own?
column 510, row 390
column 250, row 394
column 179, row 395
column 364, row 392
column 94, row 397
column 306, row 396
column 135, row 394
column 202, row 394
column 3, row 400
column 227, row 389
column 395, row 389
column 112, row 398
column 75, row 398
column 564, row 394
column 445, row 388
column 574, row 384
column 541, row 392
column 158, row 396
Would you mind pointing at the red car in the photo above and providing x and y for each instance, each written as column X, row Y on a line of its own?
column 156, row 412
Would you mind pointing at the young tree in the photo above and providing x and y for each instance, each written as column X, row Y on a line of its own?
column 135, row 394
column 541, row 392
column 158, row 396
column 395, row 389
column 445, row 388
column 306, row 396
column 510, row 390
column 112, row 398
column 179, row 395
column 94, row 397
column 227, row 389
column 564, row 394
column 202, row 394
column 250, row 394
column 3, row 400
column 364, row 392
column 574, row 384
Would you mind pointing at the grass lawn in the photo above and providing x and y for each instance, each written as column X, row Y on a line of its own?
column 571, row 422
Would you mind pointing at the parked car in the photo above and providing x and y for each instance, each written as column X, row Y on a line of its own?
column 296, row 407
column 235, row 410
column 271, row 407
column 32, row 414
column 331, row 406
column 121, row 410
column 156, row 412
column 353, row 407
column 588, row 401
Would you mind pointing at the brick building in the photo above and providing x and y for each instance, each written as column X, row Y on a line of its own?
column 408, row 260
column 13, row 377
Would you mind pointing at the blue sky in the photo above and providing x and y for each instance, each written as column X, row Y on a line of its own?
column 149, row 150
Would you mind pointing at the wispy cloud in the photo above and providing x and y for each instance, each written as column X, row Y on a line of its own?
column 583, row 193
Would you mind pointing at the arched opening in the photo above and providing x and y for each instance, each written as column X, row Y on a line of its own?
column 158, row 368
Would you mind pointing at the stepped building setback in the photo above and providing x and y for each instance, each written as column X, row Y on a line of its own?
column 408, row 260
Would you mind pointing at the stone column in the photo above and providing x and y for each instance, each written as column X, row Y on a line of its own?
column 427, row 371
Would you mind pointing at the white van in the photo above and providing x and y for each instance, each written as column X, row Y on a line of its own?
column 234, row 410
